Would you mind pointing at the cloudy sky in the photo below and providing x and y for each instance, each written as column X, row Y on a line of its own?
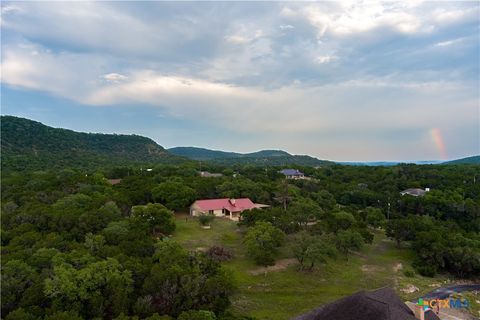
column 336, row 80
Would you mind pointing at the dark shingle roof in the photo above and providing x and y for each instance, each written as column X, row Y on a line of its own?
column 381, row 304
column 291, row 172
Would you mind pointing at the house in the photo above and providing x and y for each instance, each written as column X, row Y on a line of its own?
column 114, row 181
column 415, row 192
column 229, row 208
column 380, row 304
column 292, row 174
column 206, row 174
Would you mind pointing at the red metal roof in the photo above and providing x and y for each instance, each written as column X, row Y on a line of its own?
column 233, row 205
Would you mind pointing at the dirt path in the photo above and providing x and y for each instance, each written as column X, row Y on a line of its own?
column 279, row 266
column 397, row 267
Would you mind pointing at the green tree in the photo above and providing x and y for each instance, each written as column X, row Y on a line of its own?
column 180, row 281
column 100, row 289
column 64, row 315
column 325, row 200
column 243, row 188
column 304, row 210
column 400, row 230
column 20, row 314
column 197, row 315
column 262, row 242
column 17, row 277
column 94, row 243
column 348, row 240
column 283, row 194
column 310, row 250
column 375, row 217
column 341, row 220
column 155, row 217
column 174, row 194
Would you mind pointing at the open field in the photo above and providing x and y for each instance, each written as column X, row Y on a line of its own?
column 285, row 292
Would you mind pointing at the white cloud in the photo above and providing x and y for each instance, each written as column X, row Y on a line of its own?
column 237, row 39
column 244, row 35
column 355, row 17
column 114, row 77
column 286, row 27
column 448, row 42
column 325, row 59
column 295, row 108
column 444, row 15
column 64, row 74
column 9, row 8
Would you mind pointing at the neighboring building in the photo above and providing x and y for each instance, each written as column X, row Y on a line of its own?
column 416, row 192
column 229, row 208
column 380, row 304
column 362, row 185
column 114, row 181
column 206, row 174
column 292, row 174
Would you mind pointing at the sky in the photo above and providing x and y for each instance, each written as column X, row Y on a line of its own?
column 347, row 81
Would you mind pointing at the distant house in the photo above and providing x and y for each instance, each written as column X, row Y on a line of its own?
column 415, row 192
column 292, row 174
column 380, row 304
column 114, row 181
column 229, row 208
column 206, row 174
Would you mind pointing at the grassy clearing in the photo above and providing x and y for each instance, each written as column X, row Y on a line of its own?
column 192, row 236
column 284, row 294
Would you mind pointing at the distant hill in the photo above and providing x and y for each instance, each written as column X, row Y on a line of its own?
column 195, row 153
column 201, row 153
column 263, row 157
column 27, row 144
column 468, row 160
column 389, row 163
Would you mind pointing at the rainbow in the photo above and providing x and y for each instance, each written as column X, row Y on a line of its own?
column 439, row 143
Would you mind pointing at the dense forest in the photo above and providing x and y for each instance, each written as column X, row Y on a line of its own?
column 28, row 144
column 74, row 246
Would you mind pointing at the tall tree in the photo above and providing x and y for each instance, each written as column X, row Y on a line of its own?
column 262, row 241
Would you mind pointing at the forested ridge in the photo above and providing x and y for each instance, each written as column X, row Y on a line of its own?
column 468, row 160
column 27, row 144
column 261, row 158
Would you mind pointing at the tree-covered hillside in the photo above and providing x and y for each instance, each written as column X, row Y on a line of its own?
column 468, row 160
column 201, row 153
column 28, row 144
column 263, row 157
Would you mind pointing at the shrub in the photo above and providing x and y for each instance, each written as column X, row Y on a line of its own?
column 409, row 273
column 197, row 315
column 219, row 254
column 367, row 236
column 427, row 270
column 205, row 219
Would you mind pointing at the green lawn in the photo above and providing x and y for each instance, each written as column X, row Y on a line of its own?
column 284, row 294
